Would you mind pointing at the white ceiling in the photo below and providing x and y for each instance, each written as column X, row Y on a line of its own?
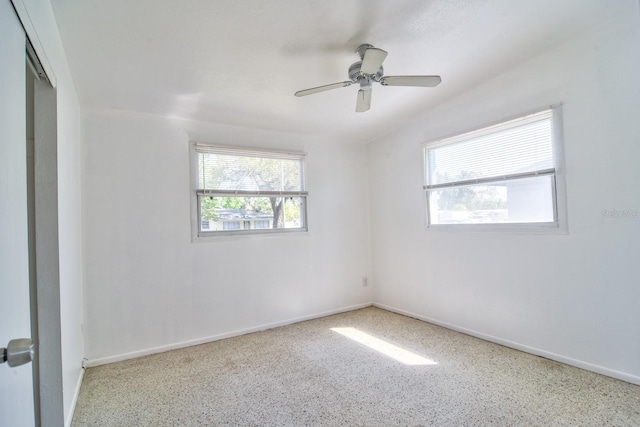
column 240, row 62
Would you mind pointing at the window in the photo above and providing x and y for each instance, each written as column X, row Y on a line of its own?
column 261, row 224
column 248, row 191
column 230, row 225
column 496, row 176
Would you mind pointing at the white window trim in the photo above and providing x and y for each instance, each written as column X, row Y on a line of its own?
column 559, row 226
column 208, row 236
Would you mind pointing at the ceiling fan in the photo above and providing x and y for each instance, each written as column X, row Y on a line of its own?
column 368, row 70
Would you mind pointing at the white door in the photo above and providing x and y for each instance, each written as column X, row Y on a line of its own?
column 16, row 384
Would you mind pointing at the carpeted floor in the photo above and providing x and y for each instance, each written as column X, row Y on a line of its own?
column 309, row 374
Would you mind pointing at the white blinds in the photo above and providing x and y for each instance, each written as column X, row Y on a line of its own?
column 519, row 147
column 223, row 170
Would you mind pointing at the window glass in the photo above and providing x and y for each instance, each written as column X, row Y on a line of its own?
column 254, row 212
column 246, row 190
column 502, row 174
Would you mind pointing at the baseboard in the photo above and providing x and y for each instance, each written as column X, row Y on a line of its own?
column 161, row 349
column 74, row 400
column 630, row 378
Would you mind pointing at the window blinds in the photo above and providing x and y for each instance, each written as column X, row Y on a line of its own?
column 224, row 170
column 514, row 149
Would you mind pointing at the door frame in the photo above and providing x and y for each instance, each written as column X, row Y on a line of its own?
column 44, row 259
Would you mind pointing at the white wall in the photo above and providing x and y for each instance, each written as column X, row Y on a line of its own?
column 149, row 288
column 572, row 297
column 69, row 203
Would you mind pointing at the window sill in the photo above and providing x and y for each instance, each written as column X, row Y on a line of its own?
column 225, row 236
column 549, row 228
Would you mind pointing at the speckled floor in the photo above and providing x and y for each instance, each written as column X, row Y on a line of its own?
column 306, row 374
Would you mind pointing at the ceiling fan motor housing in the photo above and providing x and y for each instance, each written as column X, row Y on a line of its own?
column 355, row 73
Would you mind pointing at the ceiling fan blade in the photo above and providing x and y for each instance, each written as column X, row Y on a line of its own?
column 372, row 60
column 364, row 101
column 421, row 81
column 322, row 88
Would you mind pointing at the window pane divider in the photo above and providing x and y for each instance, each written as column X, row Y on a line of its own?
column 501, row 178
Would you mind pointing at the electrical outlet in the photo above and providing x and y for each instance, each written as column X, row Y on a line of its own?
column 365, row 281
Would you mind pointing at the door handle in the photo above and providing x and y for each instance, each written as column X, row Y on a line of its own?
column 18, row 352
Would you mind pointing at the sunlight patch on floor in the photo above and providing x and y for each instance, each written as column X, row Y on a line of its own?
column 381, row 346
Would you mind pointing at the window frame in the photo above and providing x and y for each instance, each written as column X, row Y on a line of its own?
column 199, row 235
column 560, row 223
